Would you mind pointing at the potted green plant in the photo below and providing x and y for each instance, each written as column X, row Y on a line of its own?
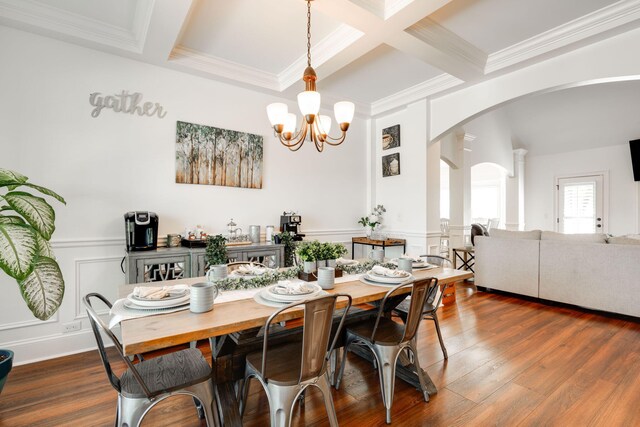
column 307, row 253
column 216, row 252
column 286, row 238
column 27, row 223
column 336, row 250
column 6, row 362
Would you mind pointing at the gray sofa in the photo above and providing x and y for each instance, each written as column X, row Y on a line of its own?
column 582, row 270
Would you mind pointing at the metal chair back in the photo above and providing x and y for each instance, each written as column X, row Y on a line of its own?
column 421, row 289
column 316, row 331
column 98, row 325
column 438, row 260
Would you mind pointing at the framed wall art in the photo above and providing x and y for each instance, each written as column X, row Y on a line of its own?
column 391, row 165
column 212, row 156
column 391, row 137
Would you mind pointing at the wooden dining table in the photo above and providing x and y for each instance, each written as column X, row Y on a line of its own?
column 233, row 329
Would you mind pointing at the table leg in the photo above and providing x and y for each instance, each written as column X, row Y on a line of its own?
column 228, row 408
column 353, row 248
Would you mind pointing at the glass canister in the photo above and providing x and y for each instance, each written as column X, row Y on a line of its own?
column 254, row 233
column 269, row 233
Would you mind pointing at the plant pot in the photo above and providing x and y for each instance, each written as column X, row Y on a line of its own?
column 321, row 263
column 309, row 266
column 331, row 263
column 5, row 366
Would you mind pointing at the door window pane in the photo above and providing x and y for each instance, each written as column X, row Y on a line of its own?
column 579, row 208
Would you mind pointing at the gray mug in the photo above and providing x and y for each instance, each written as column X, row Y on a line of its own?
column 202, row 296
column 326, row 277
column 405, row 264
column 377, row 255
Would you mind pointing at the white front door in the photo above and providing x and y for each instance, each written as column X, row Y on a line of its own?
column 580, row 204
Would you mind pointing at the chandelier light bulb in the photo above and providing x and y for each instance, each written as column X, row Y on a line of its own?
column 277, row 113
column 309, row 102
column 324, row 125
column 290, row 123
column 344, row 111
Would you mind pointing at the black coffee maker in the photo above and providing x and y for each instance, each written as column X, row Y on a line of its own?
column 290, row 222
column 142, row 231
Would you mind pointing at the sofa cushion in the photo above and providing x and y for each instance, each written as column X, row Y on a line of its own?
column 624, row 240
column 582, row 238
column 506, row 234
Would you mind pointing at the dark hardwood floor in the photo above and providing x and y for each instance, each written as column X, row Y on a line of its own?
column 512, row 362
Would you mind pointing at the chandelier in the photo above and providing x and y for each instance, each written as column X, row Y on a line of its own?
column 314, row 126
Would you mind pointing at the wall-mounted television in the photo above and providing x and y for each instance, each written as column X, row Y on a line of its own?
column 635, row 158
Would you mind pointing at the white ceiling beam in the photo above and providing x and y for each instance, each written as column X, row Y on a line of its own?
column 450, row 55
column 166, row 26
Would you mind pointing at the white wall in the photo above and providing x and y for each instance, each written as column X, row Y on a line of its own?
column 116, row 163
column 404, row 196
column 541, row 172
column 607, row 60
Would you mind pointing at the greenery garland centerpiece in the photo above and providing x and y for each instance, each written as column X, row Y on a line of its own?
column 266, row 279
column 26, row 225
column 364, row 266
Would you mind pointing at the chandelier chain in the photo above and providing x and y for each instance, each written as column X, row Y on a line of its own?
column 309, row 33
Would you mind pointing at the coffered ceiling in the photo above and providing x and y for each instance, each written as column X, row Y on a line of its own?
column 377, row 53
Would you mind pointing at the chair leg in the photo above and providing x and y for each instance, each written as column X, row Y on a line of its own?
column 132, row 411
column 419, row 372
column 244, row 394
column 444, row 349
column 281, row 401
column 348, row 342
column 325, row 388
column 204, row 393
column 387, row 356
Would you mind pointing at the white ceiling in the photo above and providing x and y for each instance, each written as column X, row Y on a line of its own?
column 493, row 25
column 367, row 51
column 568, row 120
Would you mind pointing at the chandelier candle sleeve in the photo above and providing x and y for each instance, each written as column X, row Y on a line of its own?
column 313, row 126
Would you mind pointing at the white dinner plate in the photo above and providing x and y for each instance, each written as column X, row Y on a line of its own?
column 265, row 294
column 367, row 281
column 159, row 303
column 129, row 304
column 386, row 279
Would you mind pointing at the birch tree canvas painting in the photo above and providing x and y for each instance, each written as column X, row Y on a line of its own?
column 213, row 156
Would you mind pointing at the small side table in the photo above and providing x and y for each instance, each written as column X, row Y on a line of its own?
column 373, row 243
column 467, row 256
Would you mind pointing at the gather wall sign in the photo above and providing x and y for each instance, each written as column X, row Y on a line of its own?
column 125, row 102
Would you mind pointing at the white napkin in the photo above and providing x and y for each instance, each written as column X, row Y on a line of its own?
column 387, row 272
column 286, row 287
column 158, row 292
column 413, row 258
column 250, row 270
column 345, row 261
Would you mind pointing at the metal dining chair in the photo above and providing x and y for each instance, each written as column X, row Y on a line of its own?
column 276, row 367
column 148, row 382
column 387, row 339
column 438, row 260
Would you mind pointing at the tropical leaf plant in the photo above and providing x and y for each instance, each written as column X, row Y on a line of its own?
column 27, row 223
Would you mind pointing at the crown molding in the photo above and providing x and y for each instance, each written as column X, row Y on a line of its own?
column 434, row 34
column 52, row 19
column 592, row 24
column 414, row 93
column 217, row 66
column 334, row 43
